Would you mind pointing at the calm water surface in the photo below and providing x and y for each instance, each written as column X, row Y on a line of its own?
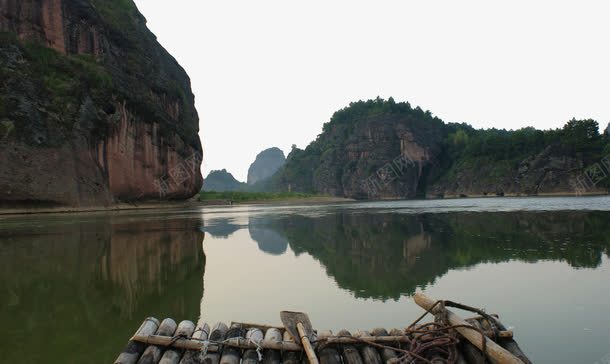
column 73, row 288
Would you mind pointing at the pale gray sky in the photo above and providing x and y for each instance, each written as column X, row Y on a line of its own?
column 271, row 72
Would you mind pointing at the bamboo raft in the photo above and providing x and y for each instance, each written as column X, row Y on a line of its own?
column 448, row 339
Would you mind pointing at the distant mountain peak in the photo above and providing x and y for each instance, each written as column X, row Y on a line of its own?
column 266, row 164
column 222, row 181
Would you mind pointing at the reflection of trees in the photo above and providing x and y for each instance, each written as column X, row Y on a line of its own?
column 97, row 277
column 387, row 255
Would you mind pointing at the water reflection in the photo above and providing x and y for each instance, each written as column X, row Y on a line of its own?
column 75, row 287
column 97, row 276
column 269, row 240
column 387, row 255
column 221, row 228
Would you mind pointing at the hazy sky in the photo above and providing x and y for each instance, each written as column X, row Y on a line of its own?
column 270, row 73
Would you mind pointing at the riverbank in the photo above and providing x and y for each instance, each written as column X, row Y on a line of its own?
column 239, row 197
column 548, row 194
column 194, row 203
column 313, row 200
column 116, row 207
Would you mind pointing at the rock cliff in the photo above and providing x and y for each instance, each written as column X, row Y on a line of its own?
column 382, row 149
column 93, row 110
column 546, row 172
column 265, row 165
column 372, row 149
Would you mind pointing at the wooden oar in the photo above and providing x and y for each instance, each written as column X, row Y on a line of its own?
column 299, row 327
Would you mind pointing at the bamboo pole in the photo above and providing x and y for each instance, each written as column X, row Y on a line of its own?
column 194, row 356
column 153, row 353
column 250, row 356
column 481, row 323
column 232, row 355
column 271, row 356
column 173, row 355
column 290, row 357
column 494, row 351
column 327, row 353
column 311, row 354
column 242, row 343
column 349, row 352
column 471, row 352
column 134, row 349
column 219, row 333
column 386, row 354
column 507, row 342
column 370, row 355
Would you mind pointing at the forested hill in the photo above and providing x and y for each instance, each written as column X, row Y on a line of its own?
column 384, row 149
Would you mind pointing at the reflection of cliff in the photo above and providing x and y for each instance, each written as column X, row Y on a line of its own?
column 144, row 259
column 221, row 228
column 268, row 240
column 388, row 255
column 100, row 277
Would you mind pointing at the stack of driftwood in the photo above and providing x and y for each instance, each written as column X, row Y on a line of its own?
column 448, row 339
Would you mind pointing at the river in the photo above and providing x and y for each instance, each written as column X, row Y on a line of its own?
column 74, row 287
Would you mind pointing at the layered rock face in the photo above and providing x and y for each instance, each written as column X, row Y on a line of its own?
column 540, row 174
column 265, row 165
column 93, row 111
column 387, row 157
column 370, row 150
column 382, row 149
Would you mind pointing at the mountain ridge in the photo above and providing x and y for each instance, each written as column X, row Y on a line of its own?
column 383, row 149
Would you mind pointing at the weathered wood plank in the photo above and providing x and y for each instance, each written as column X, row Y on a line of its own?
column 195, row 356
column 134, row 349
column 153, row 353
column 173, row 355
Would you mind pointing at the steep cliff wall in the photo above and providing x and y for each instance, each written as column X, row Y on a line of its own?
column 383, row 149
column 93, row 110
column 547, row 172
column 372, row 149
